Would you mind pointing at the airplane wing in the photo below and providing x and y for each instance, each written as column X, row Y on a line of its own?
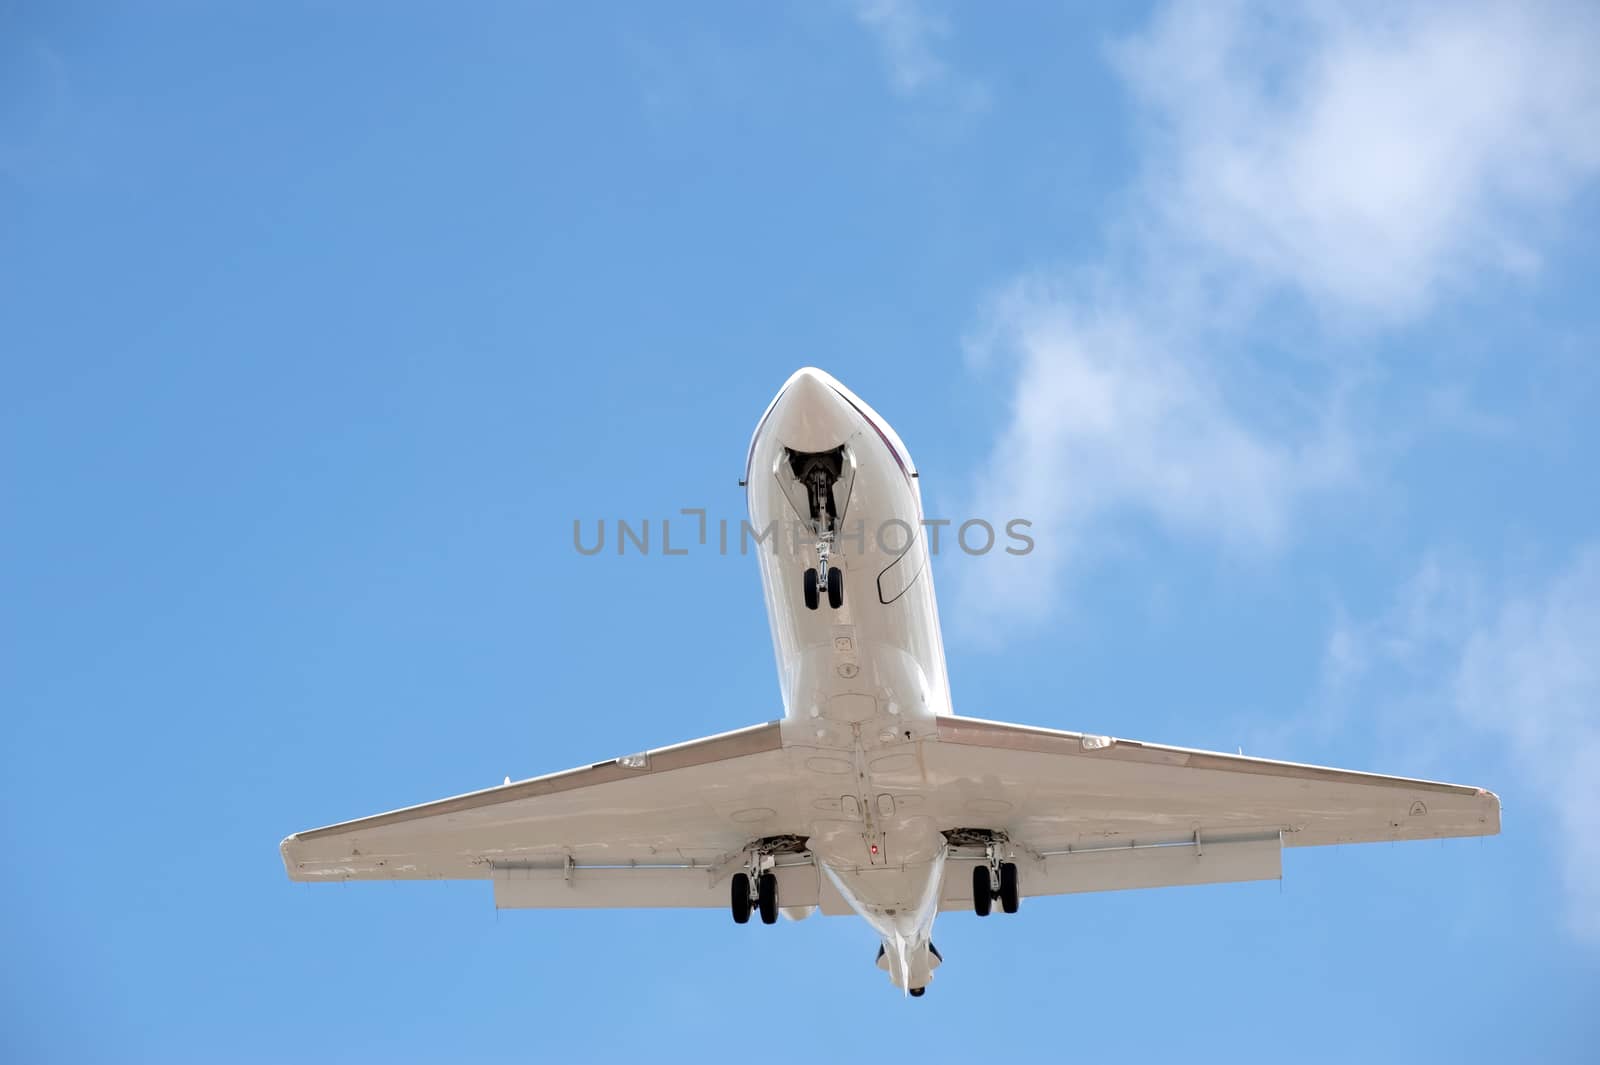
column 1094, row 813
column 1083, row 813
column 652, row 829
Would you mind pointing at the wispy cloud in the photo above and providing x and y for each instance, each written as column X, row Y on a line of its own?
column 1365, row 165
column 1116, row 414
column 912, row 34
column 908, row 33
column 1368, row 156
column 1449, row 658
column 1384, row 675
column 1532, row 676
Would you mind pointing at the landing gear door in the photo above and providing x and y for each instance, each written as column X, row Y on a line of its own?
column 846, row 481
column 790, row 470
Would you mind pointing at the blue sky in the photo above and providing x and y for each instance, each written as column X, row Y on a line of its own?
column 320, row 324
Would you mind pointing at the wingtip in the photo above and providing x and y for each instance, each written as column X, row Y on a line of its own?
column 1491, row 817
column 283, row 852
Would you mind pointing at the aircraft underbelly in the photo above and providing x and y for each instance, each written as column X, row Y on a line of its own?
column 863, row 683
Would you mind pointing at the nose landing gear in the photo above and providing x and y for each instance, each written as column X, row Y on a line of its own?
column 819, row 474
column 824, row 576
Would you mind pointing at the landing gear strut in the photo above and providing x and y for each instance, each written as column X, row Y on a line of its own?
column 819, row 495
column 993, row 879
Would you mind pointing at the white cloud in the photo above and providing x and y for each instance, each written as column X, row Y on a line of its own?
column 907, row 32
column 1369, row 162
column 1387, row 668
column 1522, row 671
column 1367, row 156
column 1110, row 416
column 1532, row 677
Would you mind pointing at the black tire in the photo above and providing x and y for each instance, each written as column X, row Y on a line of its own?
column 767, row 895
column 982, row 893
column 918, row 992
column 835, row 587
column 811, row 589
column 1010, row 898
column 740, row 898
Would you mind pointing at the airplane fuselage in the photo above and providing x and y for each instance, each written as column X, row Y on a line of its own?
column 863, row 681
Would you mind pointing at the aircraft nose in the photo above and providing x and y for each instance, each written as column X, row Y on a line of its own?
column 809, row 384
column 810, row 414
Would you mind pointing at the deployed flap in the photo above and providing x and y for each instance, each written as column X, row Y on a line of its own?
column 589, row 887
column 1117, row 868
column 681, row 810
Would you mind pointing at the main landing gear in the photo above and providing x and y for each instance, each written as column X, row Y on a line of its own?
column 755, row 889
column 762, row 896
column 993, row 879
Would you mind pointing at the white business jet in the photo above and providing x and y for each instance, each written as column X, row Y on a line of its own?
column 870, row 796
